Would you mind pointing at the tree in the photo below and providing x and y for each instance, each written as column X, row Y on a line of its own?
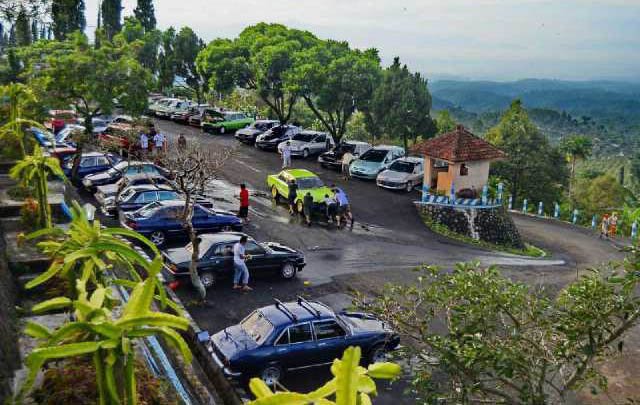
column 20, row 104
column 600, row 195
column 194, row 167
column 145, row 13
column 334, row 80
column 68, row 16
column 400, row 105
column 23, row 29
column 504, row 342
column 34, row 170
column 145, row 43
column 533, row 168
column 445, row 123
column 635, row 166
column 93, row 79
column 111, row 11
column 258, row 59
column 167, row 59
column 576, row 147
column 187, row 48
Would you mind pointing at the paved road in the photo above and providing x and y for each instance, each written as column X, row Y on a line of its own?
column 386, row 242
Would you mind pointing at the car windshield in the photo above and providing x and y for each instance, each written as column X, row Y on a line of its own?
column 303, row 137
column 257, row 327
column 149, row 210
column 374, row 155
column 404, row 167
column 262, row 126
column 306, row 183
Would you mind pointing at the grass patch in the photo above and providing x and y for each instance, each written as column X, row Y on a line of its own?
column 529, row 249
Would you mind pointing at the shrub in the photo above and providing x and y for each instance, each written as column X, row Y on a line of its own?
column 30, row 214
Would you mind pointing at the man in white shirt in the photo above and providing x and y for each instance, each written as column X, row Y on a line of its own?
column 144, row 144
column 241, row 272
column 158, row 140
column 286, row 155
column 347, row 158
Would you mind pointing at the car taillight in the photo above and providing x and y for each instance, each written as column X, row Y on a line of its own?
column 174, row 285
column 132, row 225
column 226, row 362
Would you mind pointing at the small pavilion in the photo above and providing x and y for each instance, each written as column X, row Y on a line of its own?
column 459, row 158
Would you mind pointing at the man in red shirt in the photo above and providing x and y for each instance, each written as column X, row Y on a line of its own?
column 244, row 203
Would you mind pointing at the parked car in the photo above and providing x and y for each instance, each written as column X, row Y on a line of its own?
column 403, row 174
column 375, row 160
column 184, row 114
column 249, row 134
column 114, row 136
column 307, row 182
column 136, row 179
column 114, row 174
column 273, row 137
column 216, row 258
column 160, row 108
column 42, row 137
column 59, row 118
column 308, row 143
column 160, row 221
column 228, row 121
column 196, row 119
column 122, row 119
column 135, row 197
column 172, row 108
column 333, row 158
column 45, row 140
column 99, row 124
column 284, row 337
column 90, row 163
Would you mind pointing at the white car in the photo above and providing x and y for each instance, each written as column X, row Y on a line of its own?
column 403, row 174
column 309, row 143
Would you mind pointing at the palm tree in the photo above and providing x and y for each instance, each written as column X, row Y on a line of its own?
column 33, row 170
column 576, row 147
column 19, row 97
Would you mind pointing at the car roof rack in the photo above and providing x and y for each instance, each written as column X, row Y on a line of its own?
column 307, row 305
column 284, row 309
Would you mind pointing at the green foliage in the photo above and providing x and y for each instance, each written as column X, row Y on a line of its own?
column 533, row 169
column 600, row 195
column 29, row 214
column 111, row 11
column 504, row 342
column 145, row 43
column 357, row 128
column 18, row 107
column 33, row 171
column 187, row 48
column 167, row 59
column 351, row 384
column 444, row 122
column 68, row 16
column 145, row 13
column 23, row 29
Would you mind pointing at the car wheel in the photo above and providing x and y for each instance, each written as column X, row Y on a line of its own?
column 274, row 193
column 377, row 354
column 222, row 130
column 158, row 238
column 409, row 187
column 208, row 279
column 288, row 271
column 305, row 153
column 300, row 207
column 271, row 375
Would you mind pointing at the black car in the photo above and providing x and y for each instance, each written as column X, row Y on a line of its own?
column 137, row 179
column 216, row 258
column 271, row 138
column 135, row 197
column 114, row 174
column 333, row 158
column 249, row 134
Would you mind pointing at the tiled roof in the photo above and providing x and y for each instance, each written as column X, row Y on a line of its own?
column 457, row 146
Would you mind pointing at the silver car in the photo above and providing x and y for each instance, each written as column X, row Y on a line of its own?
column 309, row 143
column 403, row 174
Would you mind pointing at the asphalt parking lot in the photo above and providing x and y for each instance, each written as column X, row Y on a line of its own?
column 387, row 241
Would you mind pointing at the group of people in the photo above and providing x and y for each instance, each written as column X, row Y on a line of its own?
column 157, row 145
column 609, row 226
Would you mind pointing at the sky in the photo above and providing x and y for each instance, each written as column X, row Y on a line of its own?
column 471, row 39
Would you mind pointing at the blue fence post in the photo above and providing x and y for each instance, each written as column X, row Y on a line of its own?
column 634, row 230
column 556, row 211
column 524, row 206
column 594, row 221
column 452, row 194
column 575, row 216
column 425, row 193
column 540, row 209
column 510, row 202
column 500, row 187
column 485, row 194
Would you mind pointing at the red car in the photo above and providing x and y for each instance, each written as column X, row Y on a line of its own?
column 59, row 118
column 114, row 137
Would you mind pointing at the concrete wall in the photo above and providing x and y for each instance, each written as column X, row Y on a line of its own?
column 9, row 350
column 476, row 177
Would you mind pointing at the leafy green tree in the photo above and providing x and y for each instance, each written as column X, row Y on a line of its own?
column 187, row 48
column 93, row 79
column 145, row 43
column 576, row 147
column 33, row 171
column 23, row 29
column 533, row 168
column 444, row 122
column 111, row 11
column 333, row 80
column 167, row 59
column 504, row 342
column 146, row 14
column 20, row 101
column 400, row 105
column 68, row 16
column 258, row 59
column 602, row 194
column 635, row 166
column 351, row 384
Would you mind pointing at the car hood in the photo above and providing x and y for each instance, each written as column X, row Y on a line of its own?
column 108, row 190
column 178, row 256
column 366, row 165
column 97, row 177
column 390, row 175
column 232, row 341
column 317, row 193
column 362, row 322
column 248, row 131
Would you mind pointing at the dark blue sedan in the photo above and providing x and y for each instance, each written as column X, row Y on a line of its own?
column 284, row 337
column 160, row 221
column 90, row 163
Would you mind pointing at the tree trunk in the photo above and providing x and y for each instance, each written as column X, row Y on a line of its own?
column 88, row 123
column 195, row 251
column 76, row 163
column 406, row 143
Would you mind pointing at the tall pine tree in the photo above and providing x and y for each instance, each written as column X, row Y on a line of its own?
column 145, row 13
column 68, row 16
column 22, row 29
column 111, row 17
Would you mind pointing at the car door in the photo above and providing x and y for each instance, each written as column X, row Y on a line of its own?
column 296, row 348
column 219, row 259
column 319, row 144
column 204, row 221
column 418, row 174
column 143, row 199
column 282, row 185
column 331, row 339
column 102, row 164
column 169, row 220
column 258, row 257
column 87, row 166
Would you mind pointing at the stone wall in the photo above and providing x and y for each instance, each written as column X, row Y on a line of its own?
column 493, row 225
column 9, row 350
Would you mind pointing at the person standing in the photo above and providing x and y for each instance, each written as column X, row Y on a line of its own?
column 307, row 207
column 286, row 155
column 182, row 141
column 613, row 225
column 604, row 226
column 241, row 272
column 244, row 203
column 347, row 158
column 343, row 209
column 330, row 204
column 144, row 144
column 158, row 140
column 293, row 194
